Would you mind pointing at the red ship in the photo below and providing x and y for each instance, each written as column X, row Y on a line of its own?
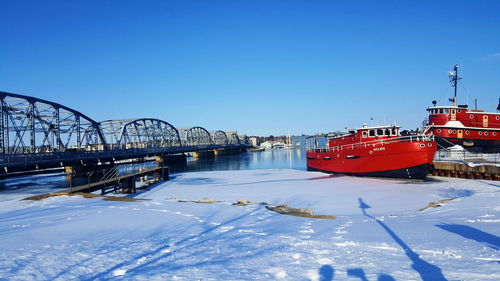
column 456, row 124
column 375, row 151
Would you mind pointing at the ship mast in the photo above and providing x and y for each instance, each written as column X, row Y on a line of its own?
column 454, row 82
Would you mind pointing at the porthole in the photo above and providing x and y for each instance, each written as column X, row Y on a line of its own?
column 471, row 116
column 467, row 132
column 439, row 130
column 450, row 131
column 454, row 131
column 422, row 145
column 480, row 133
column 494, row 133
column 497, row 117
column 429, row 144
column 485, row 133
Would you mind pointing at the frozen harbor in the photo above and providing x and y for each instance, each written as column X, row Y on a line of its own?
column 380, row 231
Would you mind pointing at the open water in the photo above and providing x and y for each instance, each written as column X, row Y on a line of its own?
column 270, row 159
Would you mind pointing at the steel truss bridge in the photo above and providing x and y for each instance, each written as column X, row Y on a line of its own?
column 39, row 134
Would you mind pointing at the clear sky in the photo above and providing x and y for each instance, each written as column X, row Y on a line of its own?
column 259, row 67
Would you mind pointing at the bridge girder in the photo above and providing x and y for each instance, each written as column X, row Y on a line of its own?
column 198, row 136
column 244, row 139
column 233, row 138
column 140, row 133
column 31, row 125
column 220, row 137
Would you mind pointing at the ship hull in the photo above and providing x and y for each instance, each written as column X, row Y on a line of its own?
column 409, row 160
column 475, row 145
column 415, row 172
column 472, row 139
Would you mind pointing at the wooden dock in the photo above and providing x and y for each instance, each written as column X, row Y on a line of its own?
column 124, row 183
column 462, row 170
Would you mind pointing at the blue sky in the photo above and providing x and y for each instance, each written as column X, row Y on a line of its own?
column 259, row 67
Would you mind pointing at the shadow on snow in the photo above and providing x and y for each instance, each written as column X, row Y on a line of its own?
column 455, row 193
column 426, row 270
column 472, row 233
column 326, row 273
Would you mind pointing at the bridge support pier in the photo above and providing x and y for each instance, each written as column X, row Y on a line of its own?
column 203, row 154
column 229, row 151
column 161, row 160
column 164, row 160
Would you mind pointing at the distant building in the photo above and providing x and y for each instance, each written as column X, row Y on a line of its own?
column 266, row 145
column 253, row 141
column 273, row 145
column 308, row 141
column 278, row 145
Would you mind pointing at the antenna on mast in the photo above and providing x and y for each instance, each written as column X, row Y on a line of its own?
column 454, row 82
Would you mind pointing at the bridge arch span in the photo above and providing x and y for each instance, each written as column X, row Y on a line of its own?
column 198, row 136
column 31, row 125
column 220, row 138
column 244, row 139
column 234, row 139
column 140, row 133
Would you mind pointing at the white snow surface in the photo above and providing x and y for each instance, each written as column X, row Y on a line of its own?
column 379, row 232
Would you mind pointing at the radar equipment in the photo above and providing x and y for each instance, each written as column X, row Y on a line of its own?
column 454, row 82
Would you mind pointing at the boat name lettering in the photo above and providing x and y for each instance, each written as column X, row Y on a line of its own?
column 379, row 148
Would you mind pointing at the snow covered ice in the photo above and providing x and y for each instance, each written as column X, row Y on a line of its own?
column 380, row 231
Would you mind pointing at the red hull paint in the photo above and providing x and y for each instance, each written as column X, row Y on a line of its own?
column 373, row 158
column 378, row 151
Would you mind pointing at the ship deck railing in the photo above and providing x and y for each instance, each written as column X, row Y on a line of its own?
column 470, row 158
column 375, row 143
